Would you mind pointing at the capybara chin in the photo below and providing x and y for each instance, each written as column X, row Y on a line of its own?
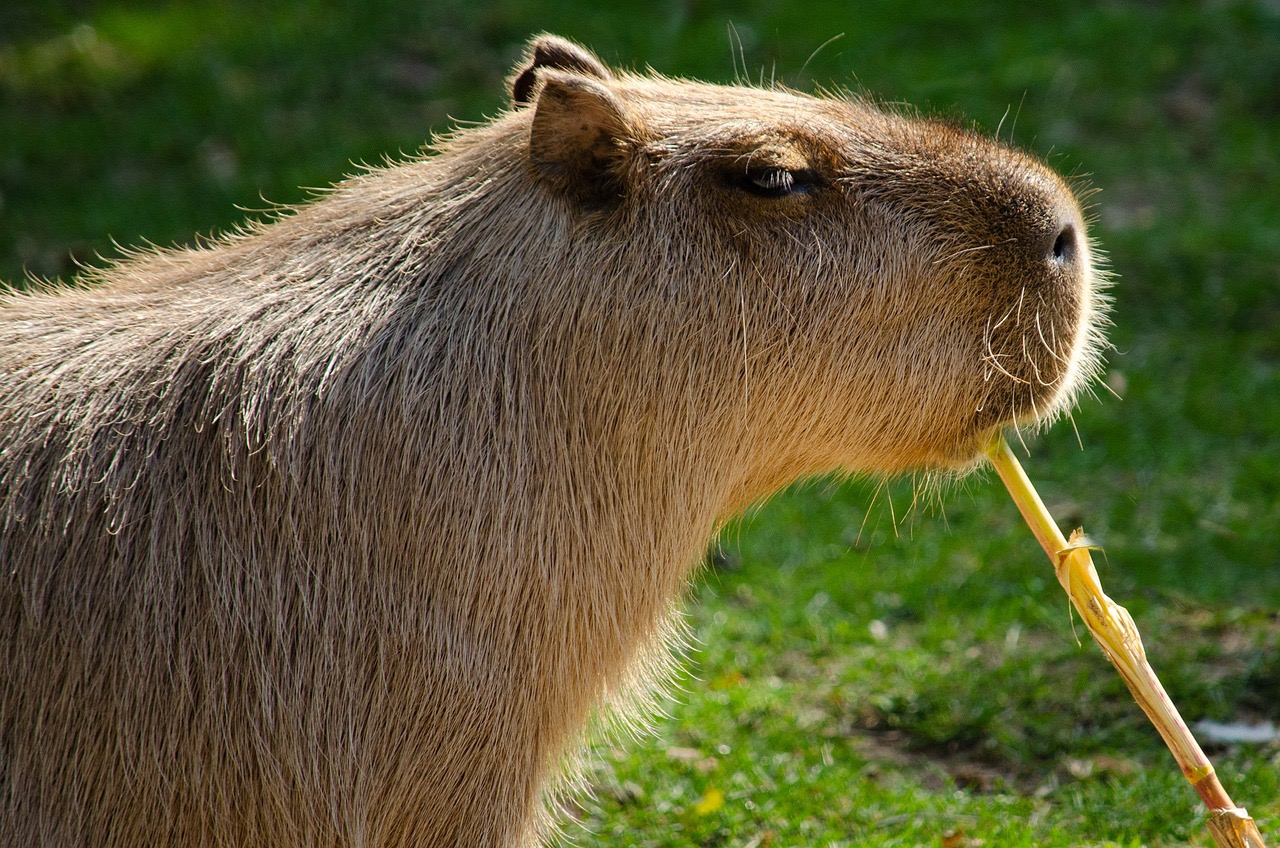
column 337, row 530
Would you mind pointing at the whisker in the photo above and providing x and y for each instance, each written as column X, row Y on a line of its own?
column 1075, row 429
column 1052, row 343
column 998, row 324
column 961, row 252
column 1021, row 439
column 990, row 359
column 1030, row 360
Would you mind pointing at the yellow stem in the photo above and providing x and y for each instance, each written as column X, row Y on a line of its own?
column 1112, row 627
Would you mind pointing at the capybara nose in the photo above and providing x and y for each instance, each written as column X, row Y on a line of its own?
column 1055, row 245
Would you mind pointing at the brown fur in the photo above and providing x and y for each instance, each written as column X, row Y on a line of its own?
column 337, row 530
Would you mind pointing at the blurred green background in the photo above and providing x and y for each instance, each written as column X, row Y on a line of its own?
column 868, row 669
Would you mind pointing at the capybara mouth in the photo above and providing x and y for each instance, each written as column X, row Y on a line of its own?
column 1040, row 352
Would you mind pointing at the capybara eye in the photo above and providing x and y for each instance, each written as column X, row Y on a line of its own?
column 779, row 182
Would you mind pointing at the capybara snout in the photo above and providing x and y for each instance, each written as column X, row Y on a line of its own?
column 337, row 530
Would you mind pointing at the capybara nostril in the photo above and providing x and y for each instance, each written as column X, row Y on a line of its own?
column 1065, row 246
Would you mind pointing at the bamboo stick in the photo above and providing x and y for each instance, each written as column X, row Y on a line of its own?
column 1117, row 635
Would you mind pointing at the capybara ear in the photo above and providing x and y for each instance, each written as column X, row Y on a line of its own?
column 552, row 51
column 577, row 142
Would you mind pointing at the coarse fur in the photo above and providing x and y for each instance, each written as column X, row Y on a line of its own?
column 336, row 531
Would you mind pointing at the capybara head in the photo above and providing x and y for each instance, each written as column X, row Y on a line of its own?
column 338, row 529
column 894, row 287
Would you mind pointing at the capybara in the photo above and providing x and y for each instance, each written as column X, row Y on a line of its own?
column 339, row 529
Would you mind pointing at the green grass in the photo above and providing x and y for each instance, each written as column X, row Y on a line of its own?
column 865, row 673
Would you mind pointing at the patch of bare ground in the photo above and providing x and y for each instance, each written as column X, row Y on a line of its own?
column 939, row 766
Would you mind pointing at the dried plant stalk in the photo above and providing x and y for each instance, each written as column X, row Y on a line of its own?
column 1115, row 632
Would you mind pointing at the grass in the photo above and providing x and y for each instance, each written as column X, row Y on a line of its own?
column 865, row 672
